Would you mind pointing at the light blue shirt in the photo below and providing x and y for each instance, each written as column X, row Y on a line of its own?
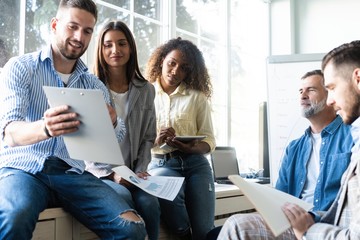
column 335, row 153
column 22, row 99
column 355, row 132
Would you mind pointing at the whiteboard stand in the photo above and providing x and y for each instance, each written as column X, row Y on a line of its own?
column 285, row 122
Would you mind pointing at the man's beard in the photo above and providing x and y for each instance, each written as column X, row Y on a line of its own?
column 67, row 54
column 314, row 108
column 353, row 109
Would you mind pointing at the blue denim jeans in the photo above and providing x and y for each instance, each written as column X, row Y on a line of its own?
column 145, row 204
column 194, row 206
column 23, row 196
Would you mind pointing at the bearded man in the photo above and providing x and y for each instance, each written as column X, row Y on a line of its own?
column 312, row 165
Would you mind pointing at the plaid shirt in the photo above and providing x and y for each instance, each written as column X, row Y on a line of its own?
column 342, row 221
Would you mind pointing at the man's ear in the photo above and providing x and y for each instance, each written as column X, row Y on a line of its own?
column 53, row 24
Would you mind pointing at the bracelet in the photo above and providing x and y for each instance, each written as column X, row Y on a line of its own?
column 115, row 123
column 47, row 131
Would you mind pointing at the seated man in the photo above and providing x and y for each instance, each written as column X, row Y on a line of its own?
column 36, row 170
column 341, row 67
column 313, row 164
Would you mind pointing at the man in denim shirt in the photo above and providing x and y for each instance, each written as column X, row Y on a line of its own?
column 312, row 166
column 314, row 163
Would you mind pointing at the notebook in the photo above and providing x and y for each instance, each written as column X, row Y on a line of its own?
column 224, row 163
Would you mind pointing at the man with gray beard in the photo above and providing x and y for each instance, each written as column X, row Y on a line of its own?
column 312, row 165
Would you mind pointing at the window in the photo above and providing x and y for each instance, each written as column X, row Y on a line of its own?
column 9, row 30
column 232, row 35
column 247, row 77
column 143, row 18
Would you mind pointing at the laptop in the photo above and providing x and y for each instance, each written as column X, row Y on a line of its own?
column 224, row 163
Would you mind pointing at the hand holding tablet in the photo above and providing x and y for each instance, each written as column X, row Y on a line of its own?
column 186, row 139
column 183, row 139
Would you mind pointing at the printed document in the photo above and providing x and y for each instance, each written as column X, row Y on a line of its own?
column 268, row 202
column 159, row 186
column 96, row 141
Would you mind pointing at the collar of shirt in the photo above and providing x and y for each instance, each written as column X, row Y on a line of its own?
column 181, row 89
column 331, row 128
column 46, row 53
column 355, row 132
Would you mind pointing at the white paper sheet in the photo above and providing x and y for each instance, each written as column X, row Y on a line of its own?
column 159, row 186
column 95, row 140
column 268, row 202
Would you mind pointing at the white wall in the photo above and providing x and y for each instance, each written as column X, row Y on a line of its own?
column 312, row 26
column 280, row 37
column 306, row 27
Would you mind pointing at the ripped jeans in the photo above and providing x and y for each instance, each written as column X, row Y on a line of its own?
column 194, row 206
column 23, row 196
column 145, row 204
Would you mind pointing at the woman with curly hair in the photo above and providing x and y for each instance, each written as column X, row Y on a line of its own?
column 116, row 65
column 183, row 90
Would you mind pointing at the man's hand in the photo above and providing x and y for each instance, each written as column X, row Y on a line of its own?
column 56, row 121
column 299, row 219
column 59, row 120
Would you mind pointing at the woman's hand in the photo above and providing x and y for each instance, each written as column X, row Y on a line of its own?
column 143, row 175
column 118, row 179
column 165, row 133
column 195, row 146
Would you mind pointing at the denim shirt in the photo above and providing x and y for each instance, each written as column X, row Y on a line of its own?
column 335, row 152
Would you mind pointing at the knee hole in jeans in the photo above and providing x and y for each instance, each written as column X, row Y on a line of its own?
column 131, row 216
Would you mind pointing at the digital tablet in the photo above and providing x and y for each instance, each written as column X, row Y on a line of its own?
column 166, row 147
column 189, row 138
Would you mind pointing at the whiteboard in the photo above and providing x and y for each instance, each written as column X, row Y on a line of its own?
column 285, row 122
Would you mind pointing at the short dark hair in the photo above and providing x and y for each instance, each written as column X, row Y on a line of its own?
column 87, row 5
column 345, row 54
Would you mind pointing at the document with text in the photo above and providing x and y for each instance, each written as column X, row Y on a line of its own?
column 268, row 202
column 160, row 186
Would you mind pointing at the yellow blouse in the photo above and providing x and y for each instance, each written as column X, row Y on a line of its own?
column 187, row 111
